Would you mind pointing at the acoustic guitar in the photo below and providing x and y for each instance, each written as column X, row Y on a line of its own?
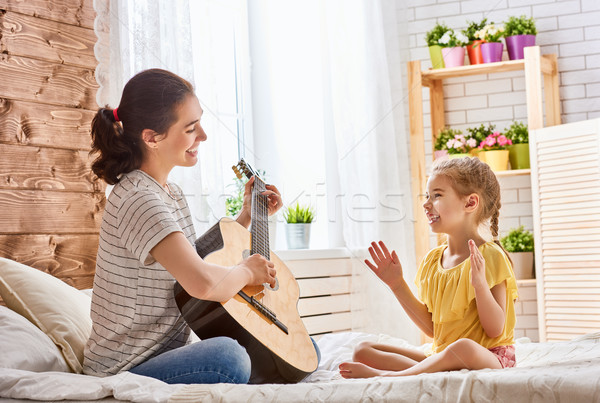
column 264, row 320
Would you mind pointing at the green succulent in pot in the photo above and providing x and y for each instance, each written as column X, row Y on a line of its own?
column 520, row 26
column 518, row 240
column 518, row 133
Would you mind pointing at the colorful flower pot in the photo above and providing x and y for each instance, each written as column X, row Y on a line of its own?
column 453, row 57
column 519, row 156
column 437, row 60
column 497, row 159
column 515, row 45
column 454, row 156
column 477, row 153
column 440, row 155
column 522, row 265
column 474, row 52
column 492, row 51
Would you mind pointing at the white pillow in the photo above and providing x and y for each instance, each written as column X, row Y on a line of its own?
column 56, row 308
column 26, row 347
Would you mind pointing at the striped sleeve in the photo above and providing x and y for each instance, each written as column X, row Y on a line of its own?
column 144, row 220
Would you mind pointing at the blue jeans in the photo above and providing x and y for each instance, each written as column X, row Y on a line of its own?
column 215, row 360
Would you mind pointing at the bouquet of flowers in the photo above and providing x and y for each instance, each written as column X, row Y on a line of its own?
column 443, row 137
column 460, row 144
column 490, row 33
column 433, row 36
column 472, row 29
column 452, row 39
column 480, row 132
column 495, row 141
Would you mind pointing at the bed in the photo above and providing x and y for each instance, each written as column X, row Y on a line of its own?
column 45, row 324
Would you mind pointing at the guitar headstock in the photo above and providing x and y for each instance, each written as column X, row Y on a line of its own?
column 242, row 168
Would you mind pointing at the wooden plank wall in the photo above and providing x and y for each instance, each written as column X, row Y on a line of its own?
column 50, row 202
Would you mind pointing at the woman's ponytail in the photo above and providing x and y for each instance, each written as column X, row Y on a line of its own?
column 115, row 153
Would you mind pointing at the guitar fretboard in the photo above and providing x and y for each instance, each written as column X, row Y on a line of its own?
column 260, row 220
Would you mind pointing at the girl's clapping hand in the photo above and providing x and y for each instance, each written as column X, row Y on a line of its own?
column 477, row 266
column 386, row 265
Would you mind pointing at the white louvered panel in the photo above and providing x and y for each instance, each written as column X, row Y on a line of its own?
column 568, row 206
column 565, row 177
column 568, row 225
column 573, row 184
column 572, row 247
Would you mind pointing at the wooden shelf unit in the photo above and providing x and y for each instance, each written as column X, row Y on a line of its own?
column 534, row 65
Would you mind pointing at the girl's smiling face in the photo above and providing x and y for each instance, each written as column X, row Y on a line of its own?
column 444, row 207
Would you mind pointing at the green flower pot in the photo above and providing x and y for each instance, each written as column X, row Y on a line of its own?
column 437, row 60
column 519, row 156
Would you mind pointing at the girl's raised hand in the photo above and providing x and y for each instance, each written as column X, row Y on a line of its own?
column 477, row 266
column 385, row 265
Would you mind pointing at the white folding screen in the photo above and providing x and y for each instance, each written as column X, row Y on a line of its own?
column 565, row 184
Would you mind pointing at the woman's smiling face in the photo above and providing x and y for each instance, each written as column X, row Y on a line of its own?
column 180, row 145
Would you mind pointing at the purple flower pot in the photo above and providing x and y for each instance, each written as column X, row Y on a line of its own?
column 491, row 52
column 516, row 43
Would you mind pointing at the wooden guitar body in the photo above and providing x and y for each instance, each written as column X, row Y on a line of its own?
column 277, row 356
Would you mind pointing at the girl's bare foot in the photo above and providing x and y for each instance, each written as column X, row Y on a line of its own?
column 357, row 370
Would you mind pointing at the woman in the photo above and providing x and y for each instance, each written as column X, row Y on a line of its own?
column 146, row 239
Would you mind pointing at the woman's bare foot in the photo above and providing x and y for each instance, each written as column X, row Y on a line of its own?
column 358, row 370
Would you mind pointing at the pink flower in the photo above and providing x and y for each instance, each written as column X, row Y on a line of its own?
column 504, row 141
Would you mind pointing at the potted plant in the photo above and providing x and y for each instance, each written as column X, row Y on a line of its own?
column 518, row 151
column 460, row 146
column 519, row 245
column 297, row 230
column 491, row 49
column 473, row 47
column 519, row 32
column 453, row 51
column 480, row 133
column 496, row 153
column 439, row 145
column 432, row 38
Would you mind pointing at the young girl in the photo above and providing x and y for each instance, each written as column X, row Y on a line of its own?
column 466, row 286
column 146, row 239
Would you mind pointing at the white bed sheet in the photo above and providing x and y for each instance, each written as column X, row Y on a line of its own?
column 546, row 372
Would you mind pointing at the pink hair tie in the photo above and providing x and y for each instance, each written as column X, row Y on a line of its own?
column 115, row 115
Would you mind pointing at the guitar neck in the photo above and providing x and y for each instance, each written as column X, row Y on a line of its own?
column 260, row 220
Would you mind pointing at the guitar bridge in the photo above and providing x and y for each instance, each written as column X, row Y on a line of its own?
column 266, row 312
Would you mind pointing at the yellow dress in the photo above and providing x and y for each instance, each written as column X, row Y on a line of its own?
column 450, row 297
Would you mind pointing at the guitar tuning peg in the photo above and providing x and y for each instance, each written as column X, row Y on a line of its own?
column 237, row 172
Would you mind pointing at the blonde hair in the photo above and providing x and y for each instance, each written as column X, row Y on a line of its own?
column 470, row 175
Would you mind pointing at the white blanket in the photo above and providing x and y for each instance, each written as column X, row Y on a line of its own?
column 566, row 372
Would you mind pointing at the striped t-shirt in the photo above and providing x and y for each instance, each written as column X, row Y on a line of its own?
column 133, row 312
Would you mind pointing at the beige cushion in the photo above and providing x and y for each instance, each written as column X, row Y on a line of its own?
column 26, row 347
column 59, row 310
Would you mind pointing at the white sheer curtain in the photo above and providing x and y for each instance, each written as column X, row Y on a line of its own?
column 356, row 95
column 196, row 40
column 368, row 121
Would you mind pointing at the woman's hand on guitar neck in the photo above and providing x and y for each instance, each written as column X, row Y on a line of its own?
column 274, row 202
column 260, row 269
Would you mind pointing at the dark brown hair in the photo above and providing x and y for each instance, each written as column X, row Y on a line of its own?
column 149, row 101
column 470, row 175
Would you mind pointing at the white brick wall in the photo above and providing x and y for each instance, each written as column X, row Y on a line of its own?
column 570, row 28
column 526, row 310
